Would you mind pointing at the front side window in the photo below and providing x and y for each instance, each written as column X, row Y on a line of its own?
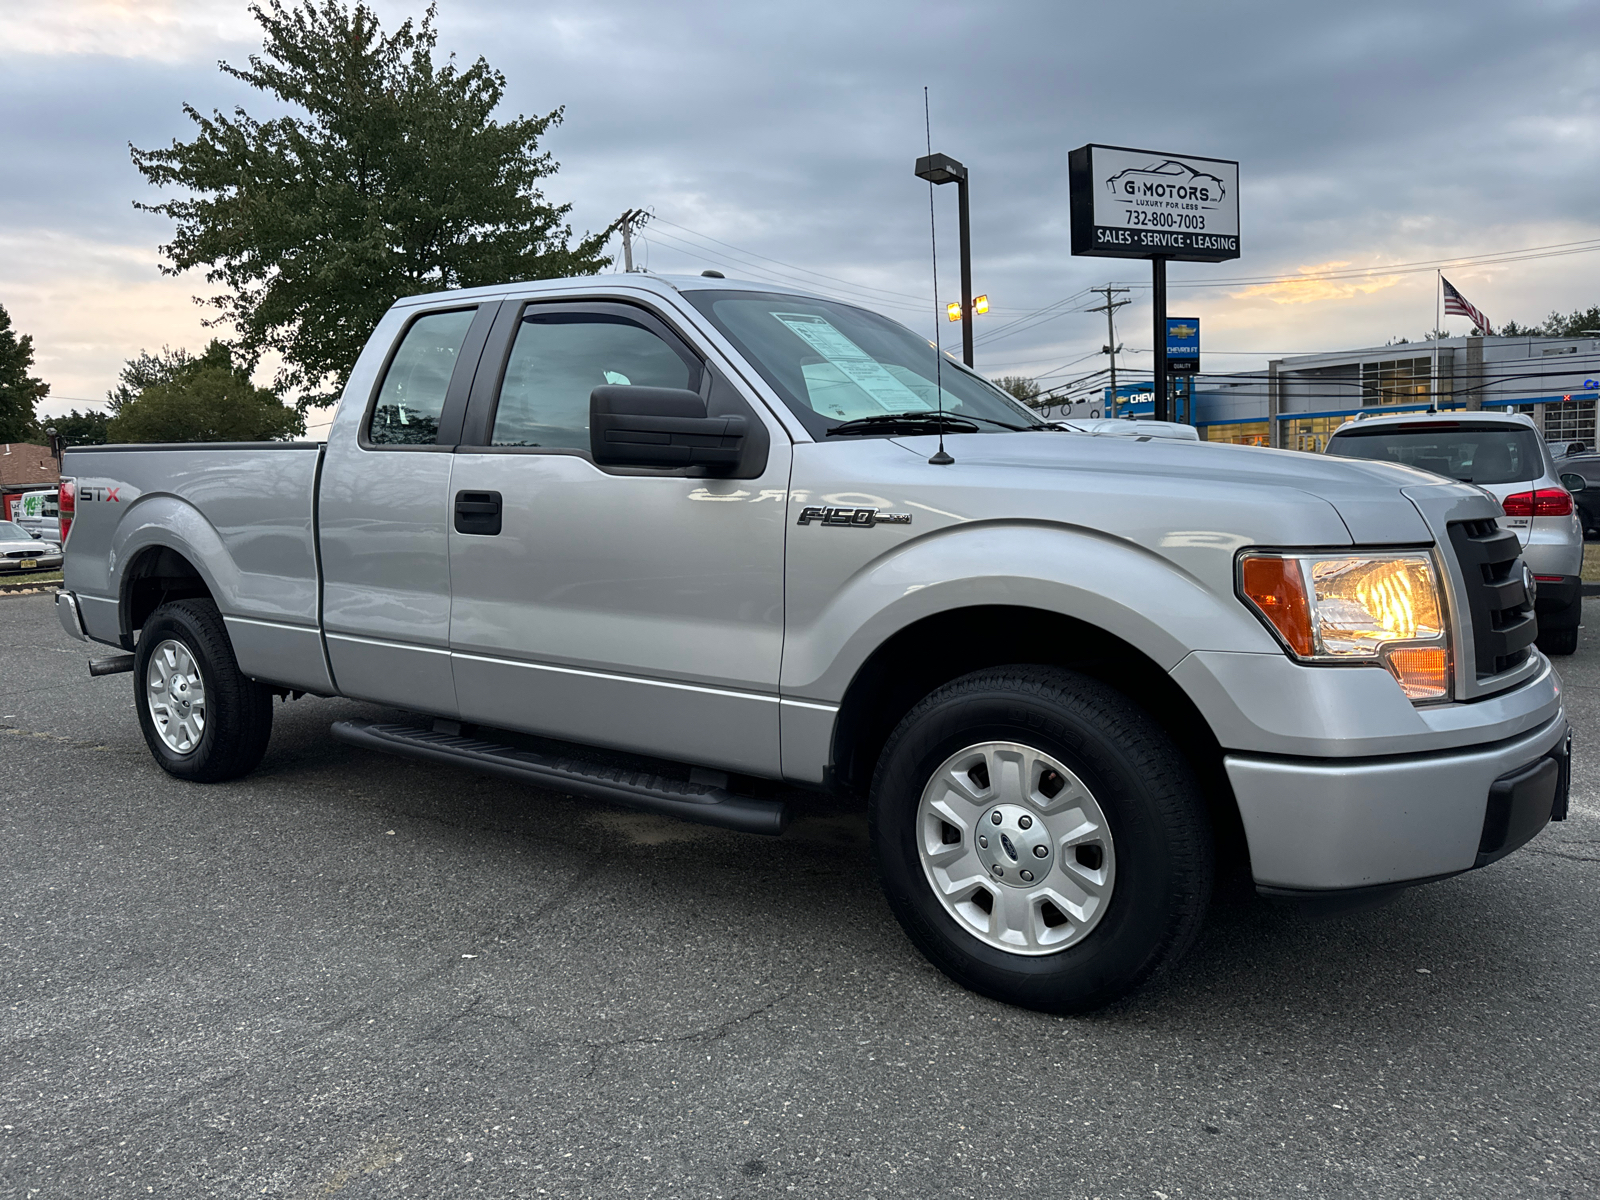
column 558, row 358
column 1486, row 453
column 411, row 400
column 834, row 363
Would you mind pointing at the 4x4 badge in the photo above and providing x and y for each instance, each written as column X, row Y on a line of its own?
column 859, row 518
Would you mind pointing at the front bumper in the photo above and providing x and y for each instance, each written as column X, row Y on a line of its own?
column 44, row 562
column 1322, row 825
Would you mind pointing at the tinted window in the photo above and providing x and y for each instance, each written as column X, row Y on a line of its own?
column 1456, row 450
column 412, row 397
column 833, row 363
column 559, row 358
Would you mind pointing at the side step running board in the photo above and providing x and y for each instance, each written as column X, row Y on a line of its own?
column 636, row 789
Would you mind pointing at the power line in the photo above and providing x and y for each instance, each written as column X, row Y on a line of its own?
column 1527, row 254
column 861, row 287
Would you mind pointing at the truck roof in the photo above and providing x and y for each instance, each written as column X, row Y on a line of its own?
column 638, row 281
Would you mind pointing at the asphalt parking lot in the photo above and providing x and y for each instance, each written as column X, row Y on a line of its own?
column 357, row 976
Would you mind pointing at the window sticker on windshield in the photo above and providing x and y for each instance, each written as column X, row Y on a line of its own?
column 855, row 365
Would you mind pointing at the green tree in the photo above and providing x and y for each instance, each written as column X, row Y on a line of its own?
column 387, row 179
column 1573, row 324
column 146, row 371
column 80, row 428
column 1024, row 389
column 19, row 391
column 207, row 399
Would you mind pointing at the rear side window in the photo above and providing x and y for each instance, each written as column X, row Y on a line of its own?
column 1457, row 450
column 411, row 399
column 559, row 358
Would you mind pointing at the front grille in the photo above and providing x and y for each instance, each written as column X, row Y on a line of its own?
column 1503, row 624
column 30, row 553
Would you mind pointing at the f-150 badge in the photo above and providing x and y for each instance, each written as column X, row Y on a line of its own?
column 859, row 518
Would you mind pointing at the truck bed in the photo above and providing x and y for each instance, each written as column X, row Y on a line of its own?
column 242, row 513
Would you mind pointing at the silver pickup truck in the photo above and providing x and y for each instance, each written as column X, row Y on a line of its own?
column 686, row 544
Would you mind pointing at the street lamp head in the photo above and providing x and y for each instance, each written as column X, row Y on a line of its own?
column 940, row 168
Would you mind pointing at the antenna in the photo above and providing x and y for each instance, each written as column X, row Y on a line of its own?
column 941, row 458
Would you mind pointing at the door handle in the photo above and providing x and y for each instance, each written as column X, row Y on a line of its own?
column 478, row 512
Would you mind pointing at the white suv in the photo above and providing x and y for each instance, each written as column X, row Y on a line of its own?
column 1504, row 455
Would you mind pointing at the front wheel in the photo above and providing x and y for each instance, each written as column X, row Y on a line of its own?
column 202, row 717
column 1040, row 838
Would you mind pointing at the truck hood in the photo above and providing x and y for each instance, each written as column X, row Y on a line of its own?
column 1370, row 498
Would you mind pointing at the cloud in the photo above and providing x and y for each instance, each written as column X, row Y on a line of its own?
column 1313, row 289
column 164, row 30
column 789, row 132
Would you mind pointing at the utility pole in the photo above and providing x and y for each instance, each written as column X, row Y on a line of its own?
column 1109, row 308
column 633, row 219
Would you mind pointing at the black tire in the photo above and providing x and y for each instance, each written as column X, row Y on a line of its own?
column 238, row 711
column 1164, row 857
column 1559, row 642
column 1558, row 630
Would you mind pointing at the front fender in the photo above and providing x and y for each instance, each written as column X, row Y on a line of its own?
column 1122, row 588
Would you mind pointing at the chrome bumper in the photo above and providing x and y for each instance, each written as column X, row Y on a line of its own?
column 67, row 613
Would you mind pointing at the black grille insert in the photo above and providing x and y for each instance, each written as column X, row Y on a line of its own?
column 1503, row 624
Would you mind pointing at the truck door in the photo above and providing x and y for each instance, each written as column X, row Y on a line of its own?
column 640, row 609
column 383, row 507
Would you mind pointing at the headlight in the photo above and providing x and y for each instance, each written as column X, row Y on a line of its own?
column 1348, row 608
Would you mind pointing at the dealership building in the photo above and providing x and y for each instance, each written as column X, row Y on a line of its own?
column 1298, row 401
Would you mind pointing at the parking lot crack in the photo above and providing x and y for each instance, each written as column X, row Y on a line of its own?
column 1560, row 854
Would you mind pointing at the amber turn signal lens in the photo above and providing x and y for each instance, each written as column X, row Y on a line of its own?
column 1277, row 587
column 1423, row 671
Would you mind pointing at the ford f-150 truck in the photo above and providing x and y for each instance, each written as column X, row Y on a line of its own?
column 685, row 543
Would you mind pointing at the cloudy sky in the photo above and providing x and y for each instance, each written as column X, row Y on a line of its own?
column 775, row 141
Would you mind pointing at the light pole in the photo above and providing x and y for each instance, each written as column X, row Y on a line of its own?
column 941, row 168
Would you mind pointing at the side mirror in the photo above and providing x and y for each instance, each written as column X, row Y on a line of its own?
column 660, row 427
column 1573, row 483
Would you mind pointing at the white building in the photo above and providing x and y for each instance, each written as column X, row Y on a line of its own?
column 1296, row 402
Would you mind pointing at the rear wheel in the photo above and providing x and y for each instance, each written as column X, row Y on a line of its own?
column 1040, row 838
column 202, row 718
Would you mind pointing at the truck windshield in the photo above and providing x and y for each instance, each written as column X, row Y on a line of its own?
column 1471, row 452
column 833, row 363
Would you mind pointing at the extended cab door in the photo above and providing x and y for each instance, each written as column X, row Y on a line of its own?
column 383, row 508
column 640, row 609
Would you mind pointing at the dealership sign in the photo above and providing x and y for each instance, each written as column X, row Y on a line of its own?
column 1146, row 204
column 1183, row 345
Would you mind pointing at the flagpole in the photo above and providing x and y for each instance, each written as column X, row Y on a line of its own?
column 1439, row 320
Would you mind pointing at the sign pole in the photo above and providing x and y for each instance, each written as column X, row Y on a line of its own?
column 966, row 270
column 1158, row 287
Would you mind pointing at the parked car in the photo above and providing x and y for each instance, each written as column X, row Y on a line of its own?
column 684, row 543
column 1503, row 454
column 20, row 550
column 1585, row 465
column 40, row 514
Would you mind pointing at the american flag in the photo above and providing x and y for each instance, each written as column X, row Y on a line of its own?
column 1457, row 305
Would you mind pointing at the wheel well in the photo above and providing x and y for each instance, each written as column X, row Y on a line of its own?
column 940, row 648
column 157, row 575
